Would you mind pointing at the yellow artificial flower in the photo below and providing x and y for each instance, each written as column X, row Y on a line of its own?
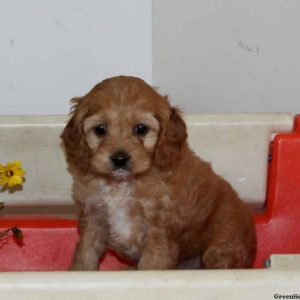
column 11, row 174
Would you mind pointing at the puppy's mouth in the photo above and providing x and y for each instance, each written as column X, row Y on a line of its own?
column 121, row 173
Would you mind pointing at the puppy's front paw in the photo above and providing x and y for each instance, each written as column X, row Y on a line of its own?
column 81, row 265
column 76, row 268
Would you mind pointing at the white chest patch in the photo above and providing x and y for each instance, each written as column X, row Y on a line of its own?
column 118, row 200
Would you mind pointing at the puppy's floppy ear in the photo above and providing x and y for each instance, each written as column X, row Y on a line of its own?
column 76, row 148
column 172, row 138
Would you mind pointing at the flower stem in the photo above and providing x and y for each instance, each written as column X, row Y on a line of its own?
column 17, row 233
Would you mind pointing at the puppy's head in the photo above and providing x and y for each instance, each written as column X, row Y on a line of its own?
column 121, row 129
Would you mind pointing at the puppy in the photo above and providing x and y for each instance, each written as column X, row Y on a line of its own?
column 142, row 192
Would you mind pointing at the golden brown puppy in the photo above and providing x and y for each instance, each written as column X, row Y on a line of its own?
column 141, row 191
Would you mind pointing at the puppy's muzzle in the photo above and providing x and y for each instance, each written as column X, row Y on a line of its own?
column 120, row 160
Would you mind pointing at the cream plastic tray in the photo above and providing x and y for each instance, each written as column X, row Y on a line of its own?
column 281, row 279
column 237, row 145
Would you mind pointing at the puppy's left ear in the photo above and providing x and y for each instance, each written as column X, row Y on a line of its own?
column 172, row 138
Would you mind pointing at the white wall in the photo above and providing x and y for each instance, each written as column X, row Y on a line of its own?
column 228, row 56
column 209, row 55
column 53, row 50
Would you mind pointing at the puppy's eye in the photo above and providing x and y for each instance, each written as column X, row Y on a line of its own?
column 141, row 129
column 100, row 130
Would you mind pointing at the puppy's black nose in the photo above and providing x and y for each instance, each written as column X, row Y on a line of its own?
column 120, row 159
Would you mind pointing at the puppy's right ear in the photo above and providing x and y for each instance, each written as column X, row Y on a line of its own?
column 73, row 137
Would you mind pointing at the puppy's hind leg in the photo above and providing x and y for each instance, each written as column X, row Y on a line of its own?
column 226, row 255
